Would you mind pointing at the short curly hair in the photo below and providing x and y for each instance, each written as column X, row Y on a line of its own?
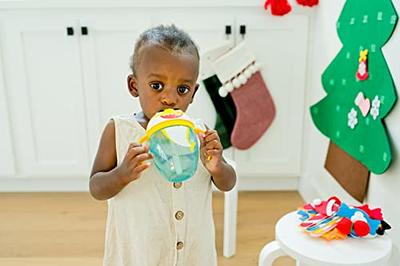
column 167, row 36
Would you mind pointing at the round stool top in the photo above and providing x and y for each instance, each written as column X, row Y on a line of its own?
column 313, row 250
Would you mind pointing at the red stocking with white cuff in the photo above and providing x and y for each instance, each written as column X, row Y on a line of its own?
column 255, row 109
column 256, row 112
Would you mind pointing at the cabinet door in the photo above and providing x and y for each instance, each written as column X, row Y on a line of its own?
column 44, row 82
column 206, row 26
column 106, row 53
column 7, row 163
column 280, row 46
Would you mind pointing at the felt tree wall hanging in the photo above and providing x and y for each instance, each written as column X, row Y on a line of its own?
column 360, row 94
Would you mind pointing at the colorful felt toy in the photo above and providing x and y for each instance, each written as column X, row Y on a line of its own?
column 333, row 219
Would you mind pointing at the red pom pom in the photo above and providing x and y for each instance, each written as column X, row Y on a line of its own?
column 361, row 228
column 307, row 2
column 278, row 7
column 344, row 226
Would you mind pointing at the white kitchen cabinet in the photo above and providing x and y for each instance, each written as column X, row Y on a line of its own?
column 61, row 89
column 44, row 83
column 61, row 84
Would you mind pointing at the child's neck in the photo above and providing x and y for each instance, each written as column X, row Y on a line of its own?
column 142, row 119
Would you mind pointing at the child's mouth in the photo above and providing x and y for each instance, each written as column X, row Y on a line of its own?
column 163, row 109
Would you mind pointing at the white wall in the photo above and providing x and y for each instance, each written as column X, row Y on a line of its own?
column 316, row 181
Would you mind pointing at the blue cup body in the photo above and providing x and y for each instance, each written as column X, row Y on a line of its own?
column 175, row 157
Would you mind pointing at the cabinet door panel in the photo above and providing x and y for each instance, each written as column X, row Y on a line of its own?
column 280, row 46
column 106, row 54
column 7, row 160
column 44, row 81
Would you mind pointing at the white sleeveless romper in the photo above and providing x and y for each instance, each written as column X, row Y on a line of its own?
column 153, row 222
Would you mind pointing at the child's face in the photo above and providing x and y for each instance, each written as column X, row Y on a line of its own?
column 164, row 80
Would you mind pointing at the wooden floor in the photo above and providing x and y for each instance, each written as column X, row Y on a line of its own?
column 60, row 229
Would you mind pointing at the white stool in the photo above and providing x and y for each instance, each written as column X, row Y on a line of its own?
column 307, row 250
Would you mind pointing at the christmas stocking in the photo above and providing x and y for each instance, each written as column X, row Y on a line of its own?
column 278, row 7
column 224, row 106
column 255, row 109
column 226, row 111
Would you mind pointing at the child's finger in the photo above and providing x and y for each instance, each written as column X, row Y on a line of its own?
column 213, row 153
column 141, row 157
column 201, row 138
column 133, row 145
column 206, row 156
column 140, row 168
column 211, row 137
column 214, row 144
column 134, row 151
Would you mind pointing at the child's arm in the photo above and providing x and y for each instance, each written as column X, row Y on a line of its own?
column 107, row 179
column 223, row 175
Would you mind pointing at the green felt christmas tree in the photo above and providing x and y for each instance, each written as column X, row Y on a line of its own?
column 360, row 90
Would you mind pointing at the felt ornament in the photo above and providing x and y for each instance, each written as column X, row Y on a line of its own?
column 362, row 222
column 333, row 219
column 278, row 7
column 307, row 2
column 334, row 234
column 255, row 110
column 361, row 228
column 344, row 226
column 382, row 227
column 373, row 213
column 362, row 70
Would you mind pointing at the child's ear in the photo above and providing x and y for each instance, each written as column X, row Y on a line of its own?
column 132, row 85
column 195, row 90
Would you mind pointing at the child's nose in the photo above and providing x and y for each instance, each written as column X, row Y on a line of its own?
column 168, row 100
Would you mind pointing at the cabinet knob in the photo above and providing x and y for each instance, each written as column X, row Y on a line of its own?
column 242, row 29
column 70, row 31
column 228, row 29
column 84, row 30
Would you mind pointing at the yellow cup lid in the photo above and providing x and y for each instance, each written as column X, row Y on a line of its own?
column 167, row 118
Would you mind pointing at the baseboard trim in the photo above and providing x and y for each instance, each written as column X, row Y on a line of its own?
column 268, row 183
column 307, row 190
column 19, row 184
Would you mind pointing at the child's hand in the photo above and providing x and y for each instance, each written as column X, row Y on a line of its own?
column 134, row 162
column 211, row 151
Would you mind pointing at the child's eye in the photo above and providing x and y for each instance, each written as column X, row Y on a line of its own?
column 183, row 89
column 156, row 86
